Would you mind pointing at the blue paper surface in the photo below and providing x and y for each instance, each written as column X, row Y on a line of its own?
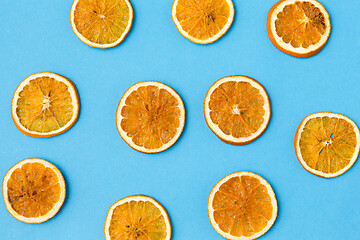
column 100, row 168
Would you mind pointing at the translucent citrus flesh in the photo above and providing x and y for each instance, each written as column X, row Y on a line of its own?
column 327, row 144
column 101, row 21
column 202, row 19
column 242, row 206
column 33, row 190
column 44, row 105
column 137, row 220
column 237, row 108
column 301, row 24
column 151, row 116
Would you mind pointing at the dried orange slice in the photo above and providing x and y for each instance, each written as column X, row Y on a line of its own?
column 237, row 109
column 137, row 218
column 33, row 190
column 203, row 21
column 299, row 28
column 327, row 144
column 101, row 23
column 45, row 104
column 242, row 206
column 150, row 117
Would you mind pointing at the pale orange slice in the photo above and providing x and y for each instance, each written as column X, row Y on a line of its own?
column 101, row 23
column 137, row 218
column 45, row 104
column 150, row 117
column 203, row 21
column 327, row 144
column 242, row 206
column 33, row 190
column 237, row 109
column 299, row 28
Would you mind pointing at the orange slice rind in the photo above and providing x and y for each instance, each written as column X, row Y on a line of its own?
column 327, row 144
column 299, row 28
column 45, row 104
column 242, row 206
column 237, row 109
column 137, row 217
column 150, row 117
column 203, row 21
column 101, row 23
column 33, row 190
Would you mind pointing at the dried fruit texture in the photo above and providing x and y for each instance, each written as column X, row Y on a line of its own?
column 101, row 23
column 237, row 108
column 242, row 206
column 299, row 28
column 150, row 117
column 327, row 144
column 202, row 19
column 33, row 190
column 137, row 220
column 44, row 105
column 301, row 24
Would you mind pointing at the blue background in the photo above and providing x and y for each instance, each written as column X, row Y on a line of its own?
column 100, row 168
